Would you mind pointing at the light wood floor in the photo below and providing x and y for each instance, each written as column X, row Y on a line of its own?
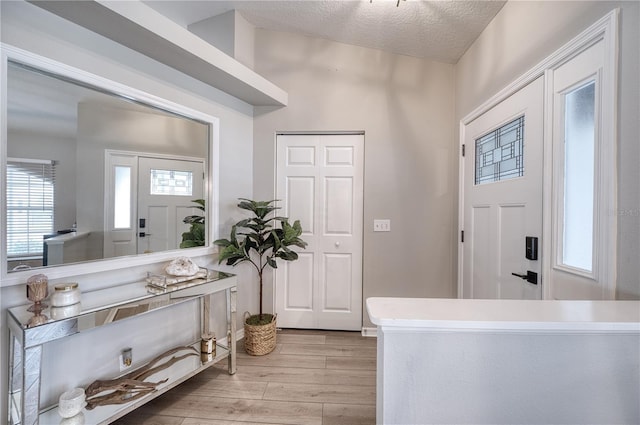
column 312, row 377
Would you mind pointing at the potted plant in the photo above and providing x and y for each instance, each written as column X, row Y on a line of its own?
column 196, row 234
column 258, row 241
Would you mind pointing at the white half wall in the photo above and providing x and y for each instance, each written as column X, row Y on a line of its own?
column 493, row 377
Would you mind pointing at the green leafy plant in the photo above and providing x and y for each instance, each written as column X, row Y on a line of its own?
column 259, row 241
column 196, row 234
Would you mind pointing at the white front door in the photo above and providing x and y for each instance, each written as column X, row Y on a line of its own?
column 320, row 182
column 166, row 189
column 503, row 198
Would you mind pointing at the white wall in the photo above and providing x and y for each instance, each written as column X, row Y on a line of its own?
column 218, row 30
column 229, row 32
column 27, row 26
column 245, row 41
column 405, row 107
column 523, row 34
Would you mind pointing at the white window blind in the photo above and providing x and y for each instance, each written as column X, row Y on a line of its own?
column 30, row 198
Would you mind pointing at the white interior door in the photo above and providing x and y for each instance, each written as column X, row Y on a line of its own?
column 166, row 189
column 503, row 197
column 320, row 182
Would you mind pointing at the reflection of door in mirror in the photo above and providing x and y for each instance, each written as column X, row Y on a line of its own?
column 149, row 219
column 165, row 192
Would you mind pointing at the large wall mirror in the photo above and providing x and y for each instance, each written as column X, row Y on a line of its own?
column 91, row 174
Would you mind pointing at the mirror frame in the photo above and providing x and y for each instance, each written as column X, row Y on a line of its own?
column 11, row 53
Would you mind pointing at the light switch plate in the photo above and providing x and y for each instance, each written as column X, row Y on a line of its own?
column 380, row 225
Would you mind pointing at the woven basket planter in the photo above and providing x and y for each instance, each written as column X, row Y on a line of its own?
column 259, row 340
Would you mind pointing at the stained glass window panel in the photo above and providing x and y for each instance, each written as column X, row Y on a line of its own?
column 499, row 154
column 171, row 182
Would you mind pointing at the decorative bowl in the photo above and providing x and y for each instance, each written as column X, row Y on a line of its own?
column 71, row 403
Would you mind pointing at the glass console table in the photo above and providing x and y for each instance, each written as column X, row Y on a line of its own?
column 29, row 332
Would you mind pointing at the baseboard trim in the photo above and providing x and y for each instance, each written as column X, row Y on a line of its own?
column 370, row 332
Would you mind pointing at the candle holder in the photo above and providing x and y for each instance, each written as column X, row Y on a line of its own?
column 37, row 291
column 207, row 347
column 37, row 319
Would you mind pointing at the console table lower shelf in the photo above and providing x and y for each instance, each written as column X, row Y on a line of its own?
column 176, row 374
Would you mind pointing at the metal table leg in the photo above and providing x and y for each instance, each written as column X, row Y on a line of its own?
column 231, row 320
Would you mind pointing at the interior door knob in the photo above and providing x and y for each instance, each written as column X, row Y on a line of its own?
column 531, row 277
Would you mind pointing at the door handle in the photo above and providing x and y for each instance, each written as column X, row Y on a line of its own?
column 531, row 277
column 143, row 234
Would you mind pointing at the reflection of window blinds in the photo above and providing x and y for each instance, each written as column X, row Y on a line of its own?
column 30, row 195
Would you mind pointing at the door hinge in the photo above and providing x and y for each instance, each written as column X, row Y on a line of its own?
column 462, row 236
column 463, row 149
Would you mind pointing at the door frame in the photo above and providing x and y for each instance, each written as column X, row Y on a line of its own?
column 275, row 188
column 606, row 30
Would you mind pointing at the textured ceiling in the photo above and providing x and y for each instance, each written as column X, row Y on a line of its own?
column 438, row 30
